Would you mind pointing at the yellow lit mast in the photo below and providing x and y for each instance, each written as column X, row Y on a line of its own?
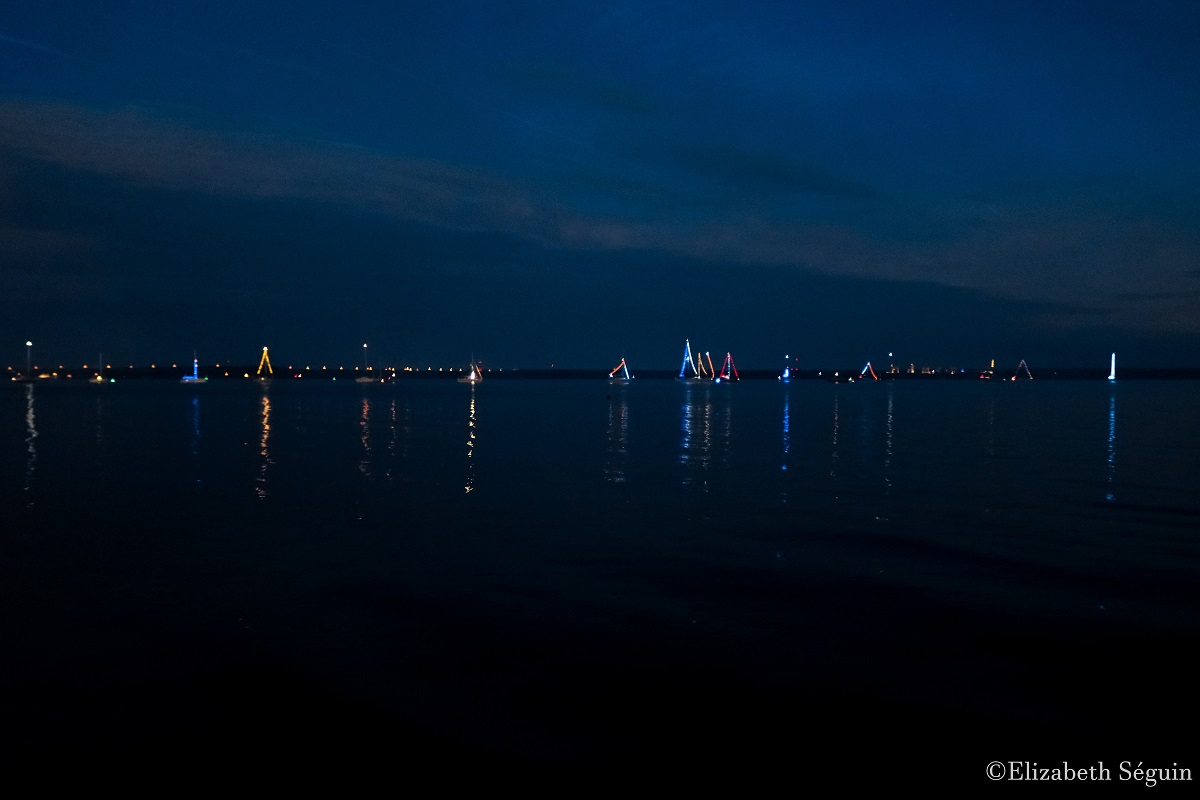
column 264, row 362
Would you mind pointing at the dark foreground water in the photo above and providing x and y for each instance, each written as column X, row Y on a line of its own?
column 759, row 578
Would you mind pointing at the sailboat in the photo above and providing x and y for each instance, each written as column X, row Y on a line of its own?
column 265, row 361
column 786, row 375
column 688, row 370
column 365, row 378
column 728, row 371
column 99, row 376
column 473, row 376
column 1112, row 370
column 1022, row 366
column 623, row 377
column 27, row 375
column 195, row 376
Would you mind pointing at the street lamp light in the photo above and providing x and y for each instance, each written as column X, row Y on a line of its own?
column 28, row 358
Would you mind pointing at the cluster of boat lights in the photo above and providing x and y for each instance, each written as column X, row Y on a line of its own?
column 34, row 371
column 307, row 368
column 692, row 369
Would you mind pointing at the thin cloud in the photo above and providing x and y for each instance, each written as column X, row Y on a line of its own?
column 749, row 169
column 33, row 46
column 1083, row 249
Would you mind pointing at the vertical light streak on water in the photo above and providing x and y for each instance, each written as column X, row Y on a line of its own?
column 787, row 446
column 406, row 431
column 100, row 420
column 1112, row 444
column 470, row 485
column 686, row 419
column 196, row 425
column 264, row 451
column 833, row 458
column 887, row 451
column 706, row 433
column 991, row 429
column 391, row 448
column 725, row 435
column 364, row 424
column 30, row 444
column 618, row 433
column 697, row 420
column 196, row 436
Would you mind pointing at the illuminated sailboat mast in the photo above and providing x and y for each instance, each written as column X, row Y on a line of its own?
column 689, row 361
column 474, row 374
column 365, row 378
column 99, row 376
column 195, row 376
column 624, row 377
column 1112, row 370
column 728, row 370
column 265, row 361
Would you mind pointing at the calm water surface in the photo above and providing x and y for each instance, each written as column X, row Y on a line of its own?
column 572, row 573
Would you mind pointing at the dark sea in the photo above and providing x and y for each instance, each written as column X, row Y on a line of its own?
column 894, row 579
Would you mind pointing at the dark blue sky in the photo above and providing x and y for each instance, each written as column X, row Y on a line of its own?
column 568, row 183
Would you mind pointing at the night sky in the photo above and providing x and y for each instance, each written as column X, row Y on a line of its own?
column 569, row 183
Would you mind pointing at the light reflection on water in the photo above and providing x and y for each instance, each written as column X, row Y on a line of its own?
column 100, row 419
column 618, row 437
column 196, row 425
column 983, row 527
column 30, row 444
column 787, row 445
column 1112, row 445
column 971, row 446
column 990, row 422
column 390, row 473
column 197, row 478
column 785, row 457
column 364, row 437
column 470, row 484
column 887, row 452
column 834, row 456
column 696, row 445
column 264, row 451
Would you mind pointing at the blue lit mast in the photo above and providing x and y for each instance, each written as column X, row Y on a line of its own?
column 195, row 376
column 687, row 361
